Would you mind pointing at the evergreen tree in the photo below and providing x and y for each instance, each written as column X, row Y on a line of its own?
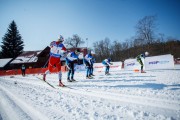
column 12, row 44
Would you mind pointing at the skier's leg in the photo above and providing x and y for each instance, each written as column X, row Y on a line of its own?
column 58, row 65
column 60, row 79
column 47, row 71
column 72, row 75
column 141, row 63
column 87, row 72
column 108, row 69
column 69, row 73
column 92, row 69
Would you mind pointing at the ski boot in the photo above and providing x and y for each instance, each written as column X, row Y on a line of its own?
column 44, row 77
column 61, row 84
column 92, row 75
column 107, row 73
column 73, row 80
column 89, row 77
column 142, row 71
column 69, row 80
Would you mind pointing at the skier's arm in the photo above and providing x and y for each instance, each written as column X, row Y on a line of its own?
column 64, row 51
column 71, row 58
column 52, row 43
column 107, row 62
column 88, row 59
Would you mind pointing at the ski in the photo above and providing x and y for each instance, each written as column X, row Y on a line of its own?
column 46, row 82
column 65, row 86
column 89, row 78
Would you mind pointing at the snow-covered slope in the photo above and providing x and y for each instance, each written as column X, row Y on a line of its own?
column 125, row 95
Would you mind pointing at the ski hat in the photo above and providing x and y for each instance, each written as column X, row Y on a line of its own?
column 92, row 52
column 146, row 53
column 60, row 38
column 109, row 59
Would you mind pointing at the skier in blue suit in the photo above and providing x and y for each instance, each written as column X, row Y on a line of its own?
column 107, row 63
column 89, row 64
column 70, row 60
column 93, row 60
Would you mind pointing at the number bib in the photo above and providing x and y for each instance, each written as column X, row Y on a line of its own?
column 56, row 50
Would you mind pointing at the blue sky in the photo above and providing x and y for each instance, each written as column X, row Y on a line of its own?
column 41, row 21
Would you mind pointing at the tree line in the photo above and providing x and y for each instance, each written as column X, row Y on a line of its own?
column 146, row 39
column 120, row 51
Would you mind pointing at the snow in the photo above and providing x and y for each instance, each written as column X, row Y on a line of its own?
column 126, row 95
column 27, row 57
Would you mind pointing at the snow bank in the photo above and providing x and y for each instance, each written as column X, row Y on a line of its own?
column 123, row 95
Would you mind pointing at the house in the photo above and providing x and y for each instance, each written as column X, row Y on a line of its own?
column 31, row 59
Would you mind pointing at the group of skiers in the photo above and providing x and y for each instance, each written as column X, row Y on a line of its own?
column 58, row 50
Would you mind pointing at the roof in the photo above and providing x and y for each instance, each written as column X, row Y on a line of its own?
column 27, row 57
column 3, row 62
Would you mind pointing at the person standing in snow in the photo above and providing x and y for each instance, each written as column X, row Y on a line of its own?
column 92, row 62
column 139, row 59
column 107, row 63
column 70, row 60
column 56, row 52
column 88, row 64
column 23, row 70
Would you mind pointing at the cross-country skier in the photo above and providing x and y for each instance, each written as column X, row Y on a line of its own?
column 92, row 62
column 57, row 51
column 139, row 59
column 70, row 60
column 87, row 62
column 107, row 63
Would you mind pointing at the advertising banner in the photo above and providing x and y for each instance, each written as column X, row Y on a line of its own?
column 154, row 62
column 100, row 67
column 114, row 67
column 79, row 68
column 159, row 62
column 132, row 64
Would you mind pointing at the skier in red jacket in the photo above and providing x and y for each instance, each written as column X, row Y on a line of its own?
column 57, row 51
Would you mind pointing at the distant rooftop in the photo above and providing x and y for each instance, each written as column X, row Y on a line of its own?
column 27, row 57
column 3, row 62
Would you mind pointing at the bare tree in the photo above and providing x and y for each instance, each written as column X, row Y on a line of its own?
column 74, row 42
column 102, row 49
column 116, row 49
column 145, row 29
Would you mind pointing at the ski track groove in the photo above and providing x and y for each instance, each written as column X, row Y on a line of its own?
column 118, row 96
column 133, row 99
column 23, row 107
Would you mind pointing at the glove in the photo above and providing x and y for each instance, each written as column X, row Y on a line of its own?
column 64, row 53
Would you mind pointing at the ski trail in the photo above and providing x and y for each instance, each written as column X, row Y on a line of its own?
column 159, row 104
column 28, row 111
column 7, row 106
column 136, row 102
column 153, row 102
column 172, row 105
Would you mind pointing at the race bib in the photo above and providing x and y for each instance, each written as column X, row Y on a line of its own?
column 56, row 50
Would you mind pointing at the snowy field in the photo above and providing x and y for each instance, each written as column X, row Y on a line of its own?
column 123, row 95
